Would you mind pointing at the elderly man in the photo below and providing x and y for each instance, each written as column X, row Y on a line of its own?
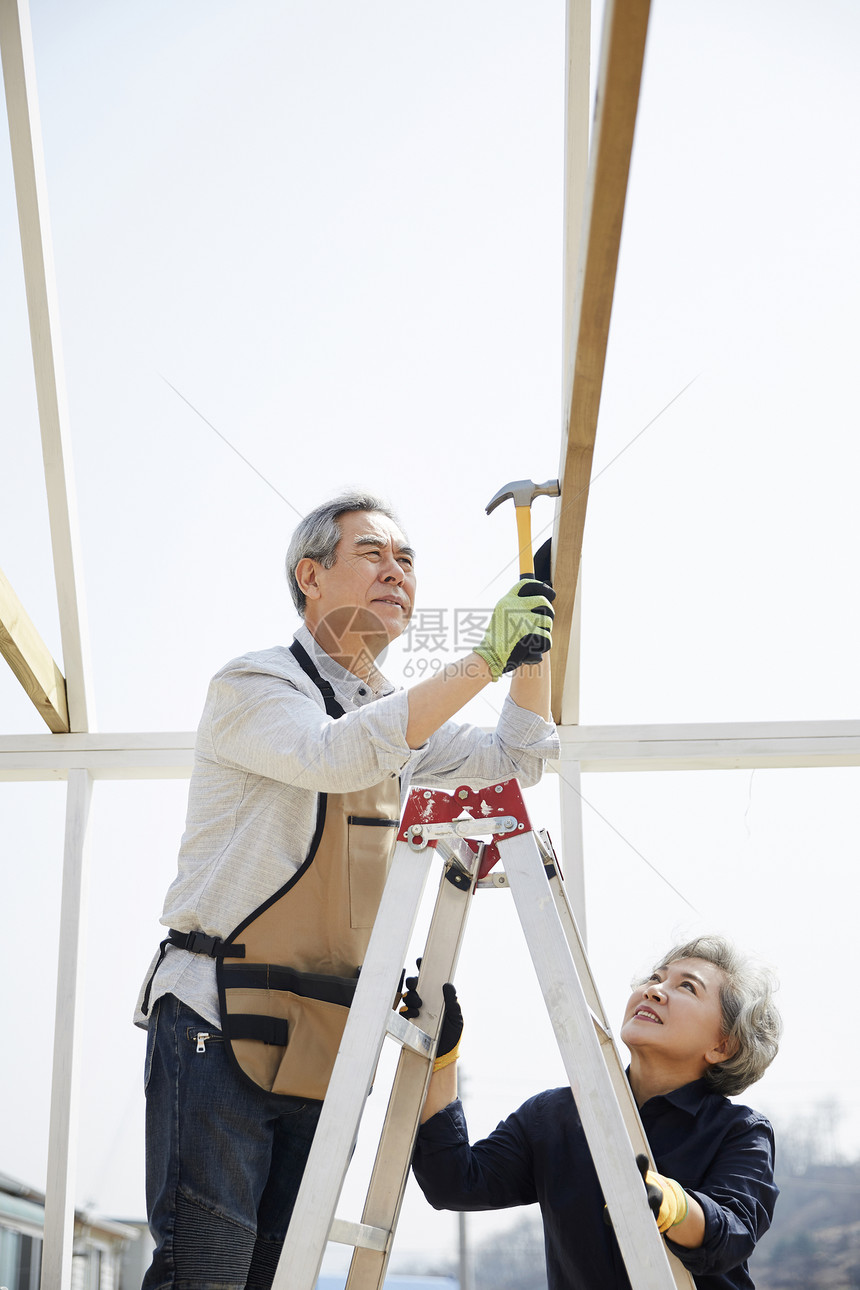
column 303, row 755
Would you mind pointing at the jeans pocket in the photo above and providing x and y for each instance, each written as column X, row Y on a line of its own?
column 201, row 1036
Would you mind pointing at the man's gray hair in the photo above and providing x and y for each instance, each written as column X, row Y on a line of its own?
column 318, row 534
column 750, row 1018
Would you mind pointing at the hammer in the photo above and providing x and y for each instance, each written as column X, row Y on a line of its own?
column 523, row 492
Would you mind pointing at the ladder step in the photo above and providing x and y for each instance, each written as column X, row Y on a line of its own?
column 360, row 1235
column 409, row 1035
column 498, row 878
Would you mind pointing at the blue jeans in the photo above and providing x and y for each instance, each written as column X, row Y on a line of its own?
column 224, row 1160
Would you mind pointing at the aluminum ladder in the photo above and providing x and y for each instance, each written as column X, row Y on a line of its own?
column 437, row 824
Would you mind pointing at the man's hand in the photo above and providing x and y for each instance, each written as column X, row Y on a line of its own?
column 520, row 629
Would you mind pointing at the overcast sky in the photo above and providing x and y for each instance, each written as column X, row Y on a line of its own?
column 335, row 229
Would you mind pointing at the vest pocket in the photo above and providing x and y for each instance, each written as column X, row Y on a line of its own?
column 370, row 844
column 307, row 1010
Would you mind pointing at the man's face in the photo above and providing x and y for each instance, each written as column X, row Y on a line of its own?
column 676, row 1016
column 370, row 588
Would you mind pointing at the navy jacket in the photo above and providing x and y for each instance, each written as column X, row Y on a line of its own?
column 720, row 1152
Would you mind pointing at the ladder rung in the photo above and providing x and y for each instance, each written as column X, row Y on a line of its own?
column 497, row 878
column 409, row 1035
column 359, row 1235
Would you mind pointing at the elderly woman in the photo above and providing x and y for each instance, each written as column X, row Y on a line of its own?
column 700, row 1029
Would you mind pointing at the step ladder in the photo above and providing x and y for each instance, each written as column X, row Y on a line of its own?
column 449, row 826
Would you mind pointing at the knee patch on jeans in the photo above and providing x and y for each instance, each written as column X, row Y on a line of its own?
column 264, row 1264
column 209, row 1248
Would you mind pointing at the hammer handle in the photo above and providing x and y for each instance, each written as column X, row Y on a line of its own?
column 524, row 534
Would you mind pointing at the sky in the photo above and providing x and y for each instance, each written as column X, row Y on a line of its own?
column 330, row 234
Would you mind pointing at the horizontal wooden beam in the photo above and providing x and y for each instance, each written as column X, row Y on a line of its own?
column 701, row 746
column 31, row 660
column 711, row 746
column 105, row 756
column 625, row 27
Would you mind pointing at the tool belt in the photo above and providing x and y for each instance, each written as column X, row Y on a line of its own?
column 287, row 1040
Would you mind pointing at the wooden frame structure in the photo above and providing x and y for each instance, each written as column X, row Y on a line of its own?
column 595, row 187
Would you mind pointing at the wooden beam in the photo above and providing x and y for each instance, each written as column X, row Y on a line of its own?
column 65, row 1082
column 711, row 746
column 104, row 756
column 19, row 78
column 577, row 95
column 622, row 51
column 700, row 746
column 31, row 661
column 577, row 80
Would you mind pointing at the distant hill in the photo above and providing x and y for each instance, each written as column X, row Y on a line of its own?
column 814, row 1243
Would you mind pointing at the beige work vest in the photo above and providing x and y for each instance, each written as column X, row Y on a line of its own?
column 284, row 1003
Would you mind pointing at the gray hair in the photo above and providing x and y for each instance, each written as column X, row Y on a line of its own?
column 318, row 534
column 750, row 1018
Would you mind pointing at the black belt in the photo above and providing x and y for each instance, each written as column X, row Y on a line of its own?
column 200, row 943
column 197, row 943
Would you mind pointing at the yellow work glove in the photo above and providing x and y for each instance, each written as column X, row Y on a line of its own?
column 520, row 629
column 451, row 1030
column 667, row 1198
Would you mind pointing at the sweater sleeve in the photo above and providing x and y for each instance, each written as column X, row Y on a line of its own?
column 737, row 1194
column 519, row 745
column 263, row 724
column 495, row 1173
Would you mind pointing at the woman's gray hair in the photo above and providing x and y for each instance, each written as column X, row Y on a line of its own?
column 750, row 1019
column 318, row 534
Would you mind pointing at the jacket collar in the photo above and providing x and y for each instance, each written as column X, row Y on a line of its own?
column 347, row 685
column 689, row 1097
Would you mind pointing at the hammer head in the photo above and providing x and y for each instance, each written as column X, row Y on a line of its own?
column 523, row 492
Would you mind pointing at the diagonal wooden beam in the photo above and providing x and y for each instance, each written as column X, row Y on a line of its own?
column 19, row 79
column 31, row 661
column 625, row 27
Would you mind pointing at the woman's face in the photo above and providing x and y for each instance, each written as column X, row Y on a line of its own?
column 676, row 1016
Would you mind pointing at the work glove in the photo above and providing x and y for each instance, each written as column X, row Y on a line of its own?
column 410, row 998
column 543, row 573
column 520, row 629
column 448, row 1048
column 667, row 1198
column 543, row 562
